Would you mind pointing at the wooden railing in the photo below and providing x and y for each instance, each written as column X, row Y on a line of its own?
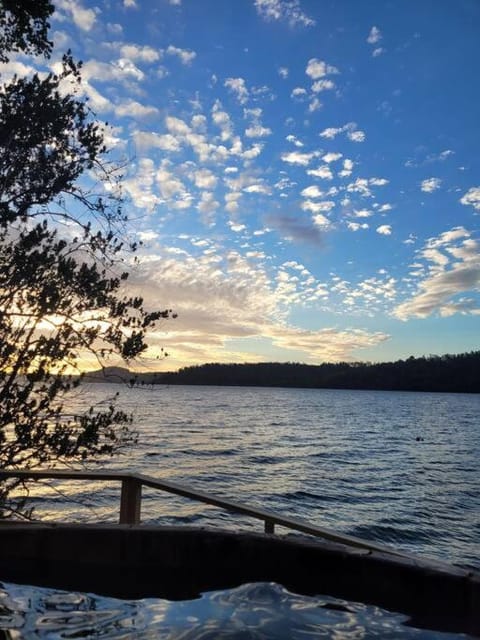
column 131, row 498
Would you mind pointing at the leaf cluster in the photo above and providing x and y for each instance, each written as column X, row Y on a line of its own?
column 24, row 27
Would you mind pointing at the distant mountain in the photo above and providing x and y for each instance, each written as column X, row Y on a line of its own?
column 122, row 375
column 109, row 374
column 455, row 373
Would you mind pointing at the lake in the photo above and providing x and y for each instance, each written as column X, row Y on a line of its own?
column 399, row 468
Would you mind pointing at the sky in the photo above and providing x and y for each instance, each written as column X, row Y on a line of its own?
column 304, row 174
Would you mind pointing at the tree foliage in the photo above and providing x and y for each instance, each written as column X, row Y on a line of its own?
column 24, row 27
column 62, row 261
column 448, row 373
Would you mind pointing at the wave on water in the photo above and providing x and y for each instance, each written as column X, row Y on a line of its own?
column 393, row 534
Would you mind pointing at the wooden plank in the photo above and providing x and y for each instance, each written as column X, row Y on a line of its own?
column 269, row 527
column 130, row 501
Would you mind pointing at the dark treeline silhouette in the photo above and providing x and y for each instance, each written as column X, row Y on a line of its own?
column 457, row 373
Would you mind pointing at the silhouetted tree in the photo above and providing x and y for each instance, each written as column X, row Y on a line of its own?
column 24, row 27
column 61, row 261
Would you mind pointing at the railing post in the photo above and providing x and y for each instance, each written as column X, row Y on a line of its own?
column 269, row 526
column 130, row 501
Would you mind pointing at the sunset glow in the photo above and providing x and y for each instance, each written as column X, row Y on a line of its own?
column 304, row 176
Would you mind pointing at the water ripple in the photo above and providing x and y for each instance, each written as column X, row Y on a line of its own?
column 258, row 611
column 349, row 460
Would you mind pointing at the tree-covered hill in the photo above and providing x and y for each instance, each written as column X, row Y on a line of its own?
column 456, row 373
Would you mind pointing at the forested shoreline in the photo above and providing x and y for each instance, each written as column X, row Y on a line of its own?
column 448, row 373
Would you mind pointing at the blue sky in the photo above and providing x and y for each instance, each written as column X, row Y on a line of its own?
column 304, row 174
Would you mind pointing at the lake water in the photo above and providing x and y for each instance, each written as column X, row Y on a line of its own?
column 395, row 467
column 261, row 611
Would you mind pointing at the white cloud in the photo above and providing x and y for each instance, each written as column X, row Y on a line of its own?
column 374, row 36
column 130, row 4
column 288, row 11
column 238, row 87
column 385, row 207
column 362, row 213
column 472, row 197
column 139, row 185
column 162, row 72
column 185, row 55
column 299, row 93
column 114, row 27
column 133, row 109
column 205, row 179
column 444, row 291
column 83, row 18
column 223, row 121
column 146, row 140
column 257, row 131
column 378, row 52
column 127, row 68
column 316, row 207
column 147, row 236
column 331, row 157
column 199, row 122
column 443, row 155
column 436, row 256
column 322, row 85
column 254, row 113
column 296, row 157
column 312, row 192
column 347, row 168
column 207, row 206
column 138, row 52
column 361, row 186
column 220, row 299
column 283, row 72
column 350, row 129
column 122, row 70
column 429, row 159
column 236, row 227
column 264, row 92
column 323, row 172
column 253, row 152
column 378, row 182
column 231, row 200
column 314, row 105
column 284, row 183
column 384, row 230
column 430, row 185
column 14, row 67
column 356, row 136
column 169, row 184
column 177, row 126
column 318, row 69
column 320, row 220
column 447, row 237
column 356, row 226
column 331, row 132
column 98, row 102
column 258, row 188
column 294, row 140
